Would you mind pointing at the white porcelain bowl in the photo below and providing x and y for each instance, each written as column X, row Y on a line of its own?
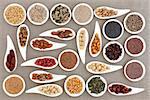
column 14, row 95
column 144, row 46
column 77, row 63
column 47, row 14
column 93, row 94
column 134, row 13
column 138, row 79
column 82, row 4
column 121, row 56
column 15, row 4
column 83, row 83
column 104, row 26
column 52, row 9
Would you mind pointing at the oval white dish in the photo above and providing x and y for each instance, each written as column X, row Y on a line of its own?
column 48, row 33
column 120, row 12
column 82, row 52
column 54, row 77
column 23, row 50
column 133, row 91
column 98, row 32
column 10, row 46
column 55, row 45
column 36, row 90
column 111, row 68
column 32, row 61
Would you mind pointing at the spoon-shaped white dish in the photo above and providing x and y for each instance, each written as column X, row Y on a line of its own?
column 54, row 77
column 10, row 46
column 49, row 33
column 55, row 45
column 85, row 39
column 37, row 90
column 98, row 32
column 133, row 91
column 109, row 68
column 23, row 49
column 31, row 62
column 119, row 12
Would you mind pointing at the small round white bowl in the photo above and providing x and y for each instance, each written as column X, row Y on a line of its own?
column 138, row 79
column 29, row 18
column 134, row 13
column 14, row 95
column 77, row 63
column 52, row 9
column 144, row 46
column 104, row 51
column 93, row 94
column 112, row 20
column 65, row 86
column 15, row 4
column 84, row 4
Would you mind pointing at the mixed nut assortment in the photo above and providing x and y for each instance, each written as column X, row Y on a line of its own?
column 68, row 59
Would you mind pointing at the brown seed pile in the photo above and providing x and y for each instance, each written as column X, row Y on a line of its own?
column 23, row 36
column 11, row 61
column 104, row 12
column 134, row 23
column 14, row 14
column 95, row 48
column 41, row 44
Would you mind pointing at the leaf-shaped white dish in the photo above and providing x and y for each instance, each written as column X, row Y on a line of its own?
column 133, row 91
column 82, row 35
column 119, row 12
column 49, row 33
column 37, row 90
column 109, row 68
column 55, row 45
column 23, row 49
column 97, row 32
column 54, row 77
column 10, row 46
column 31, row 62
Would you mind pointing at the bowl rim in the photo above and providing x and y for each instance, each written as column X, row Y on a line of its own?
column 93, row 94
column 52, row 9
column 83, row 4
column 15, row 4
column 141, row 16
column 104, row 26
column 77, row 63
column 28, row 15
column 138, row 79
column 138, row 37
column 65, row 87
column 10, row 76
column 121, row 56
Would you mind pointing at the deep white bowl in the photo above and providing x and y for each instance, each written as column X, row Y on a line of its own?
column 138, row 79
column 92, row 14
column 52, row 9
column 83, row 83
column 144, row 46
column 104, row 51
column 36, row 23
column 104, row 26
column 134, row 13
column 93, row 94
column 15, row 4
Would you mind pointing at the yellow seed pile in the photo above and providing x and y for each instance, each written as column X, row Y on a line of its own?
column 74, row 85
column 14, row 14
column 98, row 67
